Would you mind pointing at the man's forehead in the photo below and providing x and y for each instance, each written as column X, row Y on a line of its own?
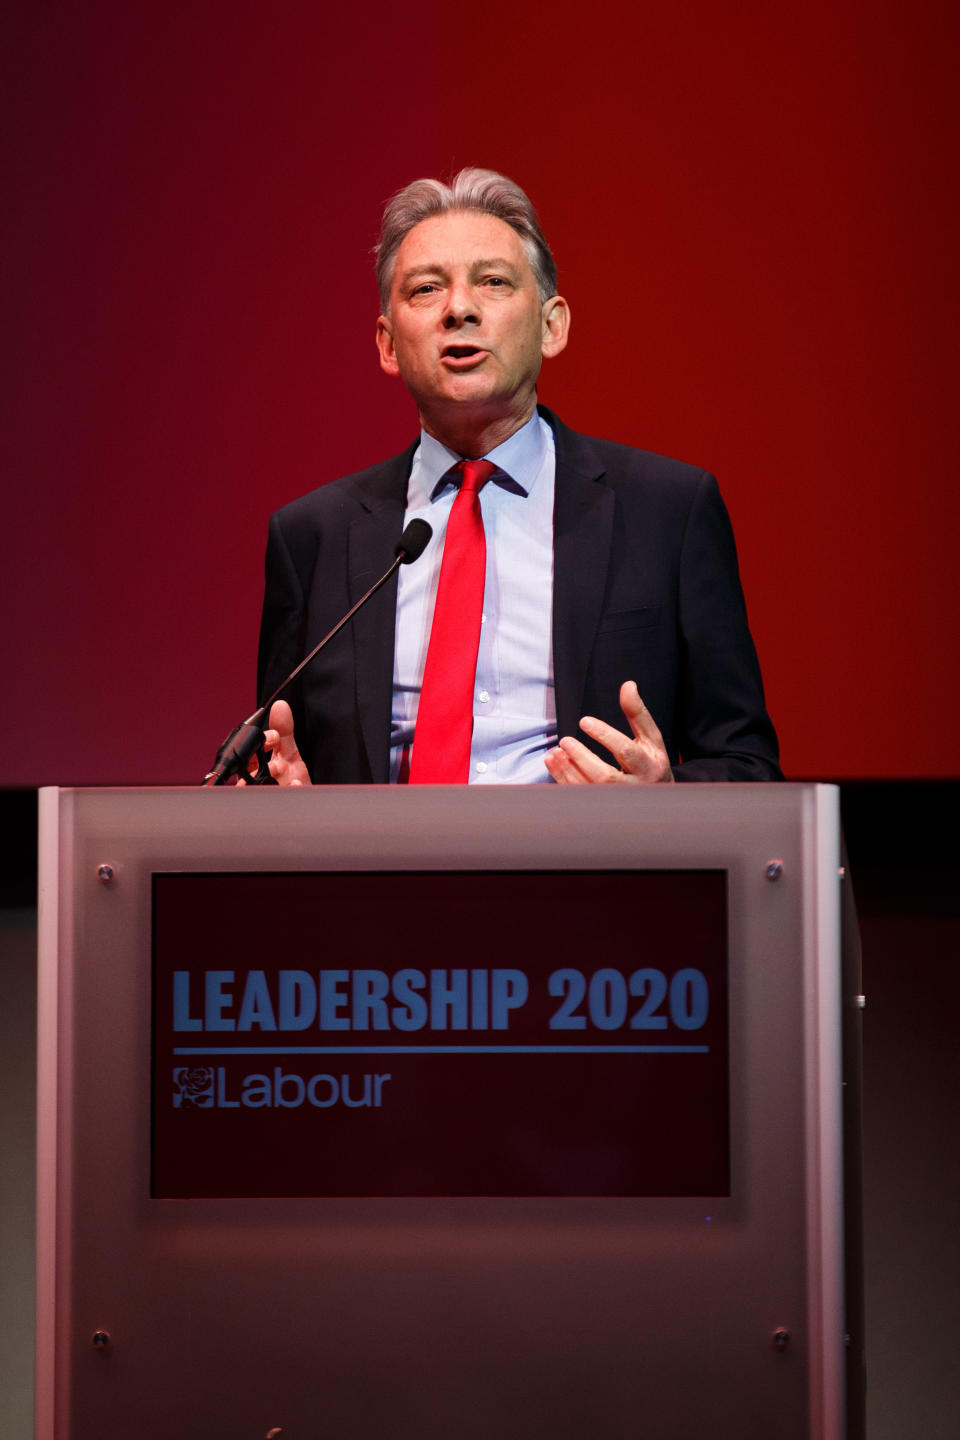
column 460, row 236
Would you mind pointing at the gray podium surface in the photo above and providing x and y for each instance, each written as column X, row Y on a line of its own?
column 415, row 1315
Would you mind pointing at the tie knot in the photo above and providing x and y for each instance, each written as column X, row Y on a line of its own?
column 475, row 474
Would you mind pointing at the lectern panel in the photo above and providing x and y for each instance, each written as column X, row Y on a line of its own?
column 558, row 1218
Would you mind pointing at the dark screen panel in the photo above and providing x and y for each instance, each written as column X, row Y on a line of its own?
column 547, row 1033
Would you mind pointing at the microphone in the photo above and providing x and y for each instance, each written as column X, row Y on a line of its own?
column 246, row 739
column 411, row 544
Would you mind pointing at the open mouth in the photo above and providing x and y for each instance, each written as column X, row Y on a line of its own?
column 462, row 352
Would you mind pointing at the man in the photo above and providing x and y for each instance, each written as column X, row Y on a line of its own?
column 605, row 568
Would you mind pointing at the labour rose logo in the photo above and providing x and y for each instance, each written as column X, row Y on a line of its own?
column 193, row 1087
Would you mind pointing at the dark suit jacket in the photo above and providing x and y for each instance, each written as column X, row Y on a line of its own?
column 646, row 588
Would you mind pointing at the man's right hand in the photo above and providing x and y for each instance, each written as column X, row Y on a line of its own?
column 286, row 764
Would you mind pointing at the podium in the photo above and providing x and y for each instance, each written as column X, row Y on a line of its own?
column 441, row 1112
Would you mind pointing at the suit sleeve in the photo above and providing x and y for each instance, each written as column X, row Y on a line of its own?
column 282, row 630
column 723, row 730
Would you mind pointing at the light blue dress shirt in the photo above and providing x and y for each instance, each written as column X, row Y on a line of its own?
column 514, row 712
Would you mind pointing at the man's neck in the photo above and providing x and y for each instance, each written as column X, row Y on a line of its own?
column 474, row 435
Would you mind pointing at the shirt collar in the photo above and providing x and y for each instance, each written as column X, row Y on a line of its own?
column 519, row 459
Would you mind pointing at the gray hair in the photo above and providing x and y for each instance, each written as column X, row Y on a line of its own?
column 481, row 190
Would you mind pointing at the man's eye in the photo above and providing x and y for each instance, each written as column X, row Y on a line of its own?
column 497, row 280
column 427, row 288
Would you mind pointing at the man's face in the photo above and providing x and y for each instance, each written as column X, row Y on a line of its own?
column 467, row 331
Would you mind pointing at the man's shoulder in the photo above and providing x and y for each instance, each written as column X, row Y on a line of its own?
column 615, row 463
column 343, row 497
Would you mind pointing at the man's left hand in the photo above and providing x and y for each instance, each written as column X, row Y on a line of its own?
column 286, row 764
column 641, row 761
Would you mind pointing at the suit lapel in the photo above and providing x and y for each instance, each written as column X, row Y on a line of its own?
column 382, row 496
column 582, row 533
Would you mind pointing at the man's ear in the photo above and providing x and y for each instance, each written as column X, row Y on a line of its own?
column 388, row 356
column 555, row 326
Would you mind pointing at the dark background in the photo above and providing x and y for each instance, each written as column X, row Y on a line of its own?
column 754, row 214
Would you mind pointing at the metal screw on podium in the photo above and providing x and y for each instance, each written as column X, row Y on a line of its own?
column 104, row 874
column 774, row 869
column 781, row 1339
column 101, row 1339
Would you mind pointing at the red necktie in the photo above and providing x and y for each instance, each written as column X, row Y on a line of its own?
column 444, row 728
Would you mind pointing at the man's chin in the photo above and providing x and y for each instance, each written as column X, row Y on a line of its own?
column 464, row 392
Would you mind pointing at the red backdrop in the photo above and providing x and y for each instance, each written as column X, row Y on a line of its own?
column 755, row 220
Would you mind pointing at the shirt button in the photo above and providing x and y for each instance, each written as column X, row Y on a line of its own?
column 484, row 696
column 481, row 767
column 483, row 619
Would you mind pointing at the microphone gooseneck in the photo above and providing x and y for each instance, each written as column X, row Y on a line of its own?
column 246, row 740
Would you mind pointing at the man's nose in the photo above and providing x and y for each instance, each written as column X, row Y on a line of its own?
column 461, row 308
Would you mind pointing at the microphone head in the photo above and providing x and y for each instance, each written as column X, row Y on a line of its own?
column 413, row 541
